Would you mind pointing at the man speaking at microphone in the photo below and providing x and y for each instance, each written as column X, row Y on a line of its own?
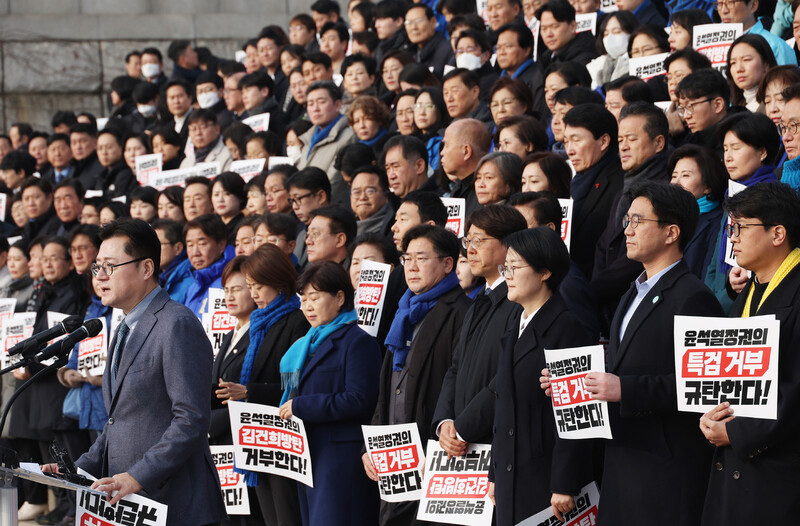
column 155, row 387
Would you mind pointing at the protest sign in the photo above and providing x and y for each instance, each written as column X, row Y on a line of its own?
column 15, row 329
column 456, row 212
column 397, row 456
column 248, row 168
column 168, row 178
column 277, row 161
column 234, row 489
column 728, row 360
column 371, row 294
column 54, row 318
column 3, row 204
column 101, row 122
column 608, row 6
column 92, row 353
column 217, row 321
column 733, row 189
column 714, row 40
column 647, row 67
column 566, row 220
column 586, row 22
column 132, row 510
column 7, row 306
column 577, row 414
column 534, row 25
column 264, row 442
column 583, row 514
column 258, row 122
column 148, row 166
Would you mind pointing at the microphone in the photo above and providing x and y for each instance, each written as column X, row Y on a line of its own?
column 90, row 329
column 32, row 344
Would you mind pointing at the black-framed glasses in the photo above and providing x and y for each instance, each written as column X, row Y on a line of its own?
column 793, row 127
column 296, row 200
column 688, row 109
column 508, row 271
column 108, row 268
column 635, row 219
column 735, row 229
column 727, row 4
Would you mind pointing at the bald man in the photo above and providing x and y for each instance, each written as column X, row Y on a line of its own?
column 465, row 142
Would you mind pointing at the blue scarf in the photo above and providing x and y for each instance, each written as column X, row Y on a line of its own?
column 706, row 205
column 321, row 133
column 520, row 70
column 261, row 320
column 378, row 137
column 412, row 309
column 791, row 173
column 295, row 358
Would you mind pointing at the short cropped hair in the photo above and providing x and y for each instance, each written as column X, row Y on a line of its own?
column 543, row 249
column 142, row 240
column 429, row 206
column 545, row 206
column 444, row 242
column 771, row 204
column 210, row 224
column 311, row 179
column 341, row 221
column 599, row 121
column 330, row 277
column 672, row 205
column 498, row 221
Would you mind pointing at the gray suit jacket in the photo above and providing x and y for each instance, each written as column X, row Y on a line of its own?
column 159, row 414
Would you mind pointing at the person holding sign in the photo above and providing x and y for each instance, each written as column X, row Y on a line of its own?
column 330, row 380
column 531, row 466
column 656, row 464
column 754, row 470
column 744, row 12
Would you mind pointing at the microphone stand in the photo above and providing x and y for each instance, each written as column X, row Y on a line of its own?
column 27, row 359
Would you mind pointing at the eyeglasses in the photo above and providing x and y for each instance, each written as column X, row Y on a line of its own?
column 369, row 191
column 689, row 108
column 504, row 47
column 296, row 200
column 421, row 259
column 108, row 268
column 313, row 236
column 727, row 5
column 508, row 272
column 476, row 242
column 427, row 106
column 471, row 50
column 200, row 127
column 409, row 23
column 640, row 52
column 232, row 290
column 505, row 102
column 735, row 229
column 793, row 127
column 635, row 219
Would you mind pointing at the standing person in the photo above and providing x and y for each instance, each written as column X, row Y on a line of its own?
column 755, row 460
column 160, row 446
column 330, row 380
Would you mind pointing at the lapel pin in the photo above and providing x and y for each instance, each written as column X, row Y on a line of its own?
column 655, row 300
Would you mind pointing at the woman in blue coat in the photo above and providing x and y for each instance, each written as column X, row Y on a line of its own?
column 330, row 379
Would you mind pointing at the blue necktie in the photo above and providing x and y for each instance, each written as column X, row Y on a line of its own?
column 122, row 333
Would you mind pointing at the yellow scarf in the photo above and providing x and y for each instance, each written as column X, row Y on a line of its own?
column 791, row 261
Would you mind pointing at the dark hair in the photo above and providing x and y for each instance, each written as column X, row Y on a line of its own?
column 655, row 119
column 518, row 89
column 198, row 179
column 63, row 137
column 358, row 58
column 367, row 38
column 411, row 146
column 627, row 21
column 256, row 183
column 124, row 86
column 330, row 277
column 23, row 128
column 332, row 89
column 771, row 204
column 367, row 12
column 672, row 205
column 393, row 9
column 65, row 117
column 210, row 224
column 417, row 74
column 181, row 83
column 305, row 20
column 269, row 141
column 460, row 7
column 655, row 32
column 232, row 183
column 754, row 129
column 428, row 11
column 90, row 231
column 274, row 33
column 259, row 79
column 543, row 249
column 633, row 89
column 83, row 127
column 238, row 133
column 142, row 240
column 469, row 78
column 120, row 210
column 22, row 246
column 141, row 137
column 269, row 265
column 377, row 171
column 202, row 115
column 153, row 51
column 787, row 75
column 19, row 161
column 712, row 170
column 114, row 133
column 498, row 221
column 444, row 242
column 326, row 7
column 791, row 92
column 147, row 194
column 555, row 169
column 41, row 184
column 73, row 183
column 708, row 83
column 311, row 179
column 339, row 28
column 168, row 135
column 471, row 21
column 176, row 49
column 299, row 126
column 281, row 225
column 429, row 206
column 284, row 170
column 173, row 230
column 694, row 59
column 599, row 121
column 317, row 57
column 524, row 35
column 688, row 18
column 760, row 45
column 545, row 206
column 341, row 221
column 441, row 108
column 479, row 37
column 353, row 156
column 577, row 95
column 174, row 195
column 233, row 266
column 209, row 77
column 58, row 241
column 573, row 73
column 561, row 10
column 382, row 243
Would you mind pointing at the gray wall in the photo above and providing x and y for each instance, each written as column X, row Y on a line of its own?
column 62, row 54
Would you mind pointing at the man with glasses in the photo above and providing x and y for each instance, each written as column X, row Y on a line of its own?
column 432, row 49
column 465, row 408
column 331, row 231
column 789, row 129
column 208, row 145
column 369, row 201
column 308, row 189
column 656, row 450
column 703, row 98
column 744, row 12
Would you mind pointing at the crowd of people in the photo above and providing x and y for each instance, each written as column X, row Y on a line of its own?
column 383, row 110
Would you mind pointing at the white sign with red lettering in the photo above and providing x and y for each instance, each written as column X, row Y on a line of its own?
column 566, row 220
column 234, row 489
column 456, row 212
column 248, row 168
column 15, row 329
column 577, row 414
column 396, row 454
column 371, row 294
column 647, row 67
column 731, row 360
column 259, row 122
column 264, row 442
column 132, row 510
column 714, row 40
column 583, row 514
column 217, row 321
column 92, row 353
column 148, row 166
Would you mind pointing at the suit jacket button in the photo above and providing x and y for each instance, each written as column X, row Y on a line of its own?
column 509, row 467
column 736, row 475
column 111, row 421
column 718, row 465
column 511, row 432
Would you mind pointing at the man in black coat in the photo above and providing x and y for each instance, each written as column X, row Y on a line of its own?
column 756, row 461
column 116, row 179
column 657, row 463
column 257, row 96
column 465, row 142
column 515, row 58
column 37, row 198
column 83, row 144
column 557, row 29
column 465, row 409
column 432, row 49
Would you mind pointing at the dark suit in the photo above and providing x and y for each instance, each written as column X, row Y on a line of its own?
column 159, row 415
column 336, row 395
column 755, row 479
column 529, row 461
column 656, row 466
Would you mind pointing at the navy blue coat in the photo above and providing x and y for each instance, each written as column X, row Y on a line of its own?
column 336, row 395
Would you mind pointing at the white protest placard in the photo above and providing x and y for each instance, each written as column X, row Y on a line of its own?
column 240, row 56
column 217, row 321
column 258, row 123
column 277, row 161
column 234, row 489
column 207, row 170
column 456, row 490
column 733, row 189
column 728, row 360
column 3, row 204
column 7, row 306
column 19, row 327
column 608, row 6
column 248, row 168
column 647, row 67
column 566, row 220
column 456, row 212
column 92, row 353
column 373, row 281
column 583, row 514
column 168, row 178
column 397, row 456
column 132, row 510
column 264, row 442
column 147, row 166
column 13, row 239
column 577, row 414
column 101, row 122
column 586, row 22
column 120, row 199
column 663, row 105
column 89, row 194
column 714, row 40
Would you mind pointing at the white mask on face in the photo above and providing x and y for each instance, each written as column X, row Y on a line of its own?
column 150, row 70
column 616, row 45
column 468, row 61
column 147, row 110
column 293, row 153
column 206, row 100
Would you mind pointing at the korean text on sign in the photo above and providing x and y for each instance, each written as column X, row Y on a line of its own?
column 396, row 453
column 583, row 514
column 234, row 489
column 714, row 40
column 133, row 510
column 371, row 294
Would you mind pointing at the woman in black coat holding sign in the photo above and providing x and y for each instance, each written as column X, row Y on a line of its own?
column 531, row 466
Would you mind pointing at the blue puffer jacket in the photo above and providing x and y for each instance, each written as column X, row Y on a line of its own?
column 207, row 278
column 93, row 413
column 177, row 278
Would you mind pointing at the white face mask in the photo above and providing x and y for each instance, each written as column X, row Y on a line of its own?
column 293, row 153
column 150, row 70
column 206, row 100
column 616, row 45
column 468, row 61
column 147, row 110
